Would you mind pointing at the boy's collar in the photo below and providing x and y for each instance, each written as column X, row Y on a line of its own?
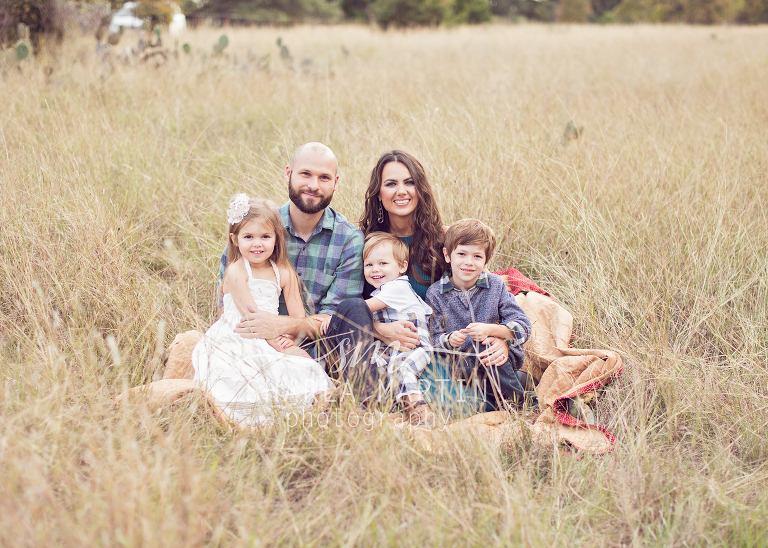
column 446, row 285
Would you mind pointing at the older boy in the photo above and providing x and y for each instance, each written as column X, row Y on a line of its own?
column 471, row 307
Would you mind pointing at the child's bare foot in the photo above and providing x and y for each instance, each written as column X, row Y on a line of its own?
column 417, row 410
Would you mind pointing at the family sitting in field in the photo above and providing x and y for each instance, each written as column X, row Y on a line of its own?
column 307, row 297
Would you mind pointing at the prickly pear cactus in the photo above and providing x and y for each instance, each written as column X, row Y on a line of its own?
column 218, row 48
column 23, row 49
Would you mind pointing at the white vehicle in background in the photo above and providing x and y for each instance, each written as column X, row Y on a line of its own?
column 178, row 24
column 126, row 18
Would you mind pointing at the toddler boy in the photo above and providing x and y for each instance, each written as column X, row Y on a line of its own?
column 472, row 308
column 385, row 262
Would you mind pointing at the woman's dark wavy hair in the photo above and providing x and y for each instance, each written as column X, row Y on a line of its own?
column 426, row 248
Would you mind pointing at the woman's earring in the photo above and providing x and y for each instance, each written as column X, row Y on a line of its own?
column 381, row 213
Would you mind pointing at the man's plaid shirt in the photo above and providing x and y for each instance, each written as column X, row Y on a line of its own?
column 330, row 263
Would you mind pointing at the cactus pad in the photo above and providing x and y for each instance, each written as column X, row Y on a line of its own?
column 223, row 42
column 22, row 50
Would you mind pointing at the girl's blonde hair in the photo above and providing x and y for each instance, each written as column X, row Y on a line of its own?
column 266, row 212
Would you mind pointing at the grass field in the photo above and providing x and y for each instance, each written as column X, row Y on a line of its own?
column 650, row 228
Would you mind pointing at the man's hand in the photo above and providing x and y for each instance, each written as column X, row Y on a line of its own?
column 258, row 324
column 496, row 354
column 401, row 331
column 457, row 338
column 479, row 331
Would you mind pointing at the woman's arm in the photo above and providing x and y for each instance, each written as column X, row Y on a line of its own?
column 401, row 331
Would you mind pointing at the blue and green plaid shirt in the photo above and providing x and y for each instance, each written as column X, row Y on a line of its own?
column 330, row 263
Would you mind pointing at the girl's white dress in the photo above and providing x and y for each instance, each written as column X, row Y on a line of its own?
column 250, row 380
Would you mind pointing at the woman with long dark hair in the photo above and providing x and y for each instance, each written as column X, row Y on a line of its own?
column 399, row 201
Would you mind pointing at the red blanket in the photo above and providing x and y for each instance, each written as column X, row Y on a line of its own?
column 517, row 282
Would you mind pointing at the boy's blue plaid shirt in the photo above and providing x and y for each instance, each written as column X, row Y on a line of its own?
column 330, row 263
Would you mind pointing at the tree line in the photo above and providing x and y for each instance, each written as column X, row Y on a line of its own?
column 50, row 16
column 411, row 13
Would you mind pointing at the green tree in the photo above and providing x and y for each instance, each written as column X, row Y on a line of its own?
column 470, row 11
column 574, row 11
column 410, row 13
column 655, row 11
column 534, row 10
column 712, row 11
column 599, row 7
column 159, row 12
column 754, row 12
column 271, row 10
column 361, row 10
column 40, row 16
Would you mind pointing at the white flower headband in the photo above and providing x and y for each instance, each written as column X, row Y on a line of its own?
column 238, row 208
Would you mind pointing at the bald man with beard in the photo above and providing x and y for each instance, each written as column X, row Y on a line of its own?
column 325, row 249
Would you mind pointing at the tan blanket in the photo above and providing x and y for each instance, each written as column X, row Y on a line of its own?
column 562, row 372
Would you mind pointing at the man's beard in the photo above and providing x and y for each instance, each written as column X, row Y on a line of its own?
column 308, row 208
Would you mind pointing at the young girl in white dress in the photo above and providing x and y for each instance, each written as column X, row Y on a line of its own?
column 253, row 379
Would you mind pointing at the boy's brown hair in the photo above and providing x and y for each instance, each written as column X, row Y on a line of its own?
column 470, row 232
column 375, row 239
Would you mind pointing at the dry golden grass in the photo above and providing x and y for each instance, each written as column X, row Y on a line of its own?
column 650, row 228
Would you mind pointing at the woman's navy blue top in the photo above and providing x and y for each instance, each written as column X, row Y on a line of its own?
column 419, row 288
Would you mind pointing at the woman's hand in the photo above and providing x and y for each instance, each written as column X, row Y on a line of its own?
column 401, row 332
column 457, row 338
column 496, row 354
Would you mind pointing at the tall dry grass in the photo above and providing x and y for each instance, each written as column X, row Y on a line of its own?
column 650, row 228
